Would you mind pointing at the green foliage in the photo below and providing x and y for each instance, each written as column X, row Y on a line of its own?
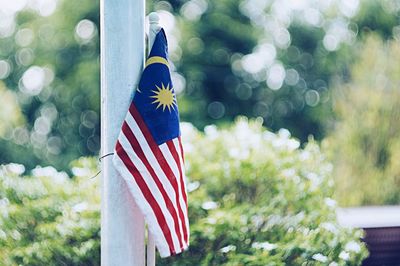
column 381, row 17
column 255, row 198
column 10, row 113
column 47, row 218
column 365, row 144
column 53, row 70
column 254, row 58
column 267, row 59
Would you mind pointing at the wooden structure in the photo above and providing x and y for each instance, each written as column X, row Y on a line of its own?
column 382, row 232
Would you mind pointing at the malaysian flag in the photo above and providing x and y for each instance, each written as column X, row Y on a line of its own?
column 149, row 154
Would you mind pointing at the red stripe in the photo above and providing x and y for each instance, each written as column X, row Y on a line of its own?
column 181, row 147
column 157, row 152
column 175, row 154
column 139, row 152
column 147, row 194
column 153, row 145
column 183, row 160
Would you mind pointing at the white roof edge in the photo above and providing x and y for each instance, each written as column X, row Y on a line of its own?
column 369, row 216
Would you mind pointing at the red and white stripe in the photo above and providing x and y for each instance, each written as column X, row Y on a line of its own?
column 156, row 178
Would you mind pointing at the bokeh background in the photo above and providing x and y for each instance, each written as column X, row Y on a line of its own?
column 325, row 71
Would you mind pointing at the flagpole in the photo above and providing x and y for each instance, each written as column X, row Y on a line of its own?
column 122, row 56
column 153, row 30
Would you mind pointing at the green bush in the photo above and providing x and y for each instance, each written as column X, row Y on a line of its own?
column 255, row 198
column 364, row 146
column 48, row 218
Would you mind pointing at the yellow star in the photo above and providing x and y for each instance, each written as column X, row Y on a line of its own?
column 165, row 97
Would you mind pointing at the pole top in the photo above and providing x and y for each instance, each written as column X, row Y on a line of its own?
column 154, row 18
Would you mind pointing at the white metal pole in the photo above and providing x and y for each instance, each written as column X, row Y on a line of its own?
column 154, row 28
column 122, row 56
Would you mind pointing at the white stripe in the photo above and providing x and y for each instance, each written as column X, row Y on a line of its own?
column 178, row 149
column 172, row 164
column 162, row 244
column 152, row 187
column 130, row 120
column 151, row 158
column 169, row 158
column 182, row 201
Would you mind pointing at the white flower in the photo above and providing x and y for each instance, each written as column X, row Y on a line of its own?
column 305, row 155
column 16, row 235
column 211, row 220
column 15, row 168
column 80, row 171
column 330, row 202
column 314, row 179
column 329, row 227
column 353, row 246
column 4, row 202
column 192, row 186
column 211, row 131
column 284, row 133
column 289, row 172
column 292, row 144
column 234, row 153
column 187, row 129
column 80, row 207
column 48, row 171
column 344, row 255
column 2, row 234
column 228, row 248
column 257, row 220
column 264, row 245
column 319, row 257
column 209, row 205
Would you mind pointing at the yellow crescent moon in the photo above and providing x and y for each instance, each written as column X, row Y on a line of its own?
column 155, row 60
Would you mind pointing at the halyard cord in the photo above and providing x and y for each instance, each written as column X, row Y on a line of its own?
column 100, row 158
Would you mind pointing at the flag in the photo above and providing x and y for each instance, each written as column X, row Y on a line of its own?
column 149, row 154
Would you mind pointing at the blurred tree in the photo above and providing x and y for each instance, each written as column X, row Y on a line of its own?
column 49, row 60
column 260, row 59
column 381, row 17
column 269, row 59
column 365, row 144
